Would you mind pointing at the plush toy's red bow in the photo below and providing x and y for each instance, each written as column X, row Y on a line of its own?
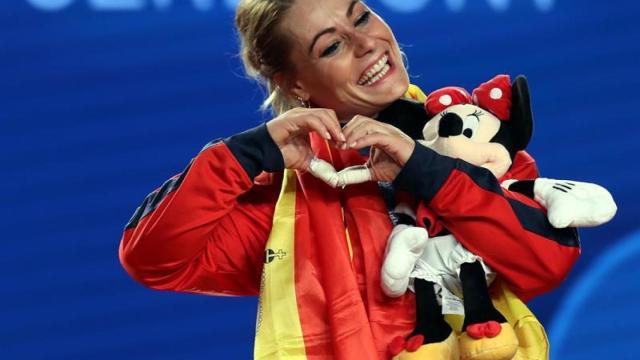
column 493, row 95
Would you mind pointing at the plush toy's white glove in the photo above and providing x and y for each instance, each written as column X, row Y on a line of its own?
column 347, row 176
column 404, row 247
column 573, row 203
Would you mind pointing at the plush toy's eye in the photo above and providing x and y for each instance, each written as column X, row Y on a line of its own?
column 470, row 125
column 477, row 114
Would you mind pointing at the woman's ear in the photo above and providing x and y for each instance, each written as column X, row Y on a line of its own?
column 299, row 92
column 290, row 87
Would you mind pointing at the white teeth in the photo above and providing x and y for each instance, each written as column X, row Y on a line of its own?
column 380, row 75
column 376, row 72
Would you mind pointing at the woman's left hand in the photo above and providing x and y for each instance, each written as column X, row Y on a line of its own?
column 390, row 147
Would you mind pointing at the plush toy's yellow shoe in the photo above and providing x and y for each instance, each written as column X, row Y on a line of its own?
column 444, row 350
column 488, row 341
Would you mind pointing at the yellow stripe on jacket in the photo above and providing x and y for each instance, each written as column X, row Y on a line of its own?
column 278, row 328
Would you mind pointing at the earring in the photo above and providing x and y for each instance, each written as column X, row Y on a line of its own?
column 304, row 104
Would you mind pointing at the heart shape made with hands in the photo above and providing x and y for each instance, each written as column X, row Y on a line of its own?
column 347, row 176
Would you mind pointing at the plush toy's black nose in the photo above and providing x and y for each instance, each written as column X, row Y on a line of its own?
column 450, row 125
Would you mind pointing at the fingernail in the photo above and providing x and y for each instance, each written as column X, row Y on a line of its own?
column 342, row 138
column 327, row 135
column 343, row 146
column 353, row 144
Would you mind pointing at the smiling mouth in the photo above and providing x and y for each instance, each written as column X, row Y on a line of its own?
column 376, row 72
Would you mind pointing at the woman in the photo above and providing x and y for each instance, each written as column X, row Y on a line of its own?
column 235, row 222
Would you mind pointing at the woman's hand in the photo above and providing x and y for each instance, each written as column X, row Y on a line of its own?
column 390, row 147
column 290, row 132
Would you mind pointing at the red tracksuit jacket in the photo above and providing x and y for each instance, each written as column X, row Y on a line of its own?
column 204, row 230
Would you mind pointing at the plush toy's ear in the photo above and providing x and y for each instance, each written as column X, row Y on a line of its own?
column 521, row 120
column 515, row 133
column 407, row 115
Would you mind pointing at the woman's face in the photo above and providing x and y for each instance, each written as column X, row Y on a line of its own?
column 345, row 57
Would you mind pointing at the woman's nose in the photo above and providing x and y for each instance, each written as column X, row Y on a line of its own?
column 363, row 43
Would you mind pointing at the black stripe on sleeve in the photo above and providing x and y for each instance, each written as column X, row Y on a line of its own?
column 524, row 187
column 152, row 200
column 532, row 219
column 424, row 173
column 256, row 151
column 536, row 221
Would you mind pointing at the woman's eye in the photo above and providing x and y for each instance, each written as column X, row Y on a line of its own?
column 363, row 19
column 331, row 49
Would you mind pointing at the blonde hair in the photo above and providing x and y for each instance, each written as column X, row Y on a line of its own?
column 265, row 49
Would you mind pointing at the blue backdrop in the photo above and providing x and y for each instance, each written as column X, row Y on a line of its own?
column 101, row 100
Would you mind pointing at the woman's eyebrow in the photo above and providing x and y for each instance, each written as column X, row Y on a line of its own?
column 332, row 29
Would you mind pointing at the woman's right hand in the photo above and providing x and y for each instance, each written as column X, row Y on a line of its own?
column 290, row 132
